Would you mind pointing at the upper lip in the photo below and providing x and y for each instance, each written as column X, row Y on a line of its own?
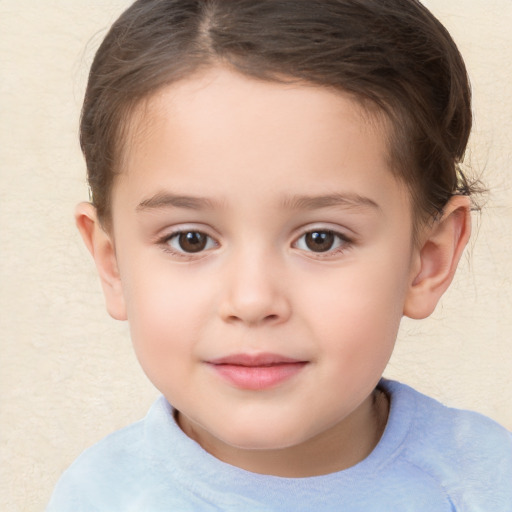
column 266, row 359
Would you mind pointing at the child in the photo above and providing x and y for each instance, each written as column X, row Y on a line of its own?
column 275, row 184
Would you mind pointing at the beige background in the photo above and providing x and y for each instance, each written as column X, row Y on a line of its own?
column 68, row 376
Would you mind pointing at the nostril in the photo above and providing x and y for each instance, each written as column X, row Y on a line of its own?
column 254, row 308
column 267, row 318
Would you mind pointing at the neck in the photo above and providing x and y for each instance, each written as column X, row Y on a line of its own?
column 340, row 447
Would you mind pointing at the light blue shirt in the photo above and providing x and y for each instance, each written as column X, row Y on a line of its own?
column 430, row 459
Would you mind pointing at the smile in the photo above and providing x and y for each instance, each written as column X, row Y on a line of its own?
column 256, row 372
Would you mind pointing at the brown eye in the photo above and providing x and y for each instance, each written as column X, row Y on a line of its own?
column 190, row 242
column 319, row 241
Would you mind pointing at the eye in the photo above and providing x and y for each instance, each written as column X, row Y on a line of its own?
column 321, row 240
column 190, row 242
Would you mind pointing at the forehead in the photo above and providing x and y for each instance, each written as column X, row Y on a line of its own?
column 219, row 96
column 219, row 127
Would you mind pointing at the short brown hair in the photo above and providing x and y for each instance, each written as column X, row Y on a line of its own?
column 393, row 54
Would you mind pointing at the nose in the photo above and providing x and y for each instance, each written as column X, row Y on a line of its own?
column 254, row 291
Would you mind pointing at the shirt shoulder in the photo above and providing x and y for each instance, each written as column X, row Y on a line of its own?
column 123, row 471
column 468, row 454
column 117, row 458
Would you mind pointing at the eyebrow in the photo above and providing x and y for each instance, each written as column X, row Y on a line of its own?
column 349, row 201
column 168, row 200
column 297, row 202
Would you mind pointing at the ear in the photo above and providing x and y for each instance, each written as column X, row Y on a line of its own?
column 101, row 247
column 437, row 258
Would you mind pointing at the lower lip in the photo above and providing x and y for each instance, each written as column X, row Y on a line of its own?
column 258, row 377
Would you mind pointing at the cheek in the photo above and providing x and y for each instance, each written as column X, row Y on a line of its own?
column 166, row 313
column 360, row 307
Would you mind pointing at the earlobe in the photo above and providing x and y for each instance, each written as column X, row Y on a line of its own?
column 101, row 246
column 437, row 258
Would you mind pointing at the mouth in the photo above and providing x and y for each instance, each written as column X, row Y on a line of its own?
column 256, row 372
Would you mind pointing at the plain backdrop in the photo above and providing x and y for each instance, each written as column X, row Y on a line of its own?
column 67, row 373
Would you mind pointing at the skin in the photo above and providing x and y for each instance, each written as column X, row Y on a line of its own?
column 256, row 166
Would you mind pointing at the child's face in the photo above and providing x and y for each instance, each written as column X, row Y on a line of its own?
column 299, row 255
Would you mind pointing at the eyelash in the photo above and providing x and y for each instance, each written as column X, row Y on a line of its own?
column 342, row 243
column 165, row 242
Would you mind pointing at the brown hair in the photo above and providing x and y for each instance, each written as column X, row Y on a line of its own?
column 393, row 54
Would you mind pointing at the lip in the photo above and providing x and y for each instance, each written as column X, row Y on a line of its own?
column 256, row 371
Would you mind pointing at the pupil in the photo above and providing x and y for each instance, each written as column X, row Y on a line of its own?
column 192, row 241
column 320, row 241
